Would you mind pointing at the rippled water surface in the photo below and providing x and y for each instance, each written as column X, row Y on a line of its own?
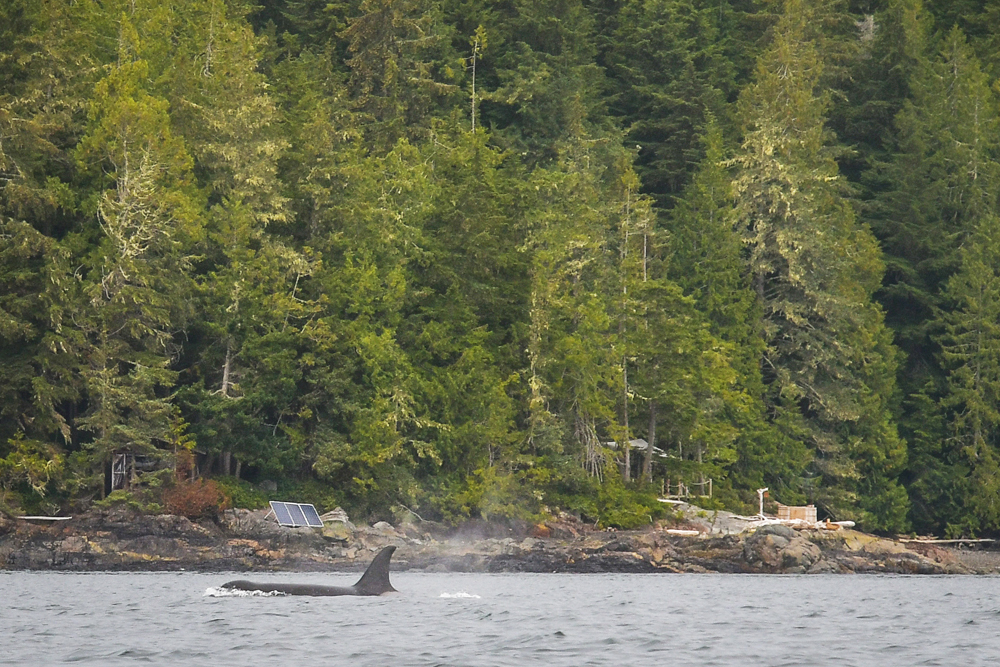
column 522, row 619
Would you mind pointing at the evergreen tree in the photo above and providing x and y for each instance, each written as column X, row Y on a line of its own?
column 829, row 362
column 940, row 183
column 574, row 373
column 317, row 26
column 135, row 282
column 942, row 178
column 981, row 27
column 892, row 44
column 670, row 68
column 548, row 88
column 706, row 258
column 457, row 331
column 50, row 67
column 707, row 263
column 971, row 353
column 25, row 303
column 400, row 60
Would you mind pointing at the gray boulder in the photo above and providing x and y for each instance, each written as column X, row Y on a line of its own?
column 777, row 548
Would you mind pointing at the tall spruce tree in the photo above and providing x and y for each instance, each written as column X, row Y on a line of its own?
column 829, row 362
column 548, row 85
column 891, row 44
column 147, row 215
column 971, row 355
column 982, row 31
column 574, row 374
column 707, row 262
column 941, row 182
column 25, row 318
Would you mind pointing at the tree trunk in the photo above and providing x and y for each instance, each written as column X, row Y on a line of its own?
column 226, row 368
column 627, row 472
column 239, row 466
column 227, row 459
column 701, row 472
column 647, row 466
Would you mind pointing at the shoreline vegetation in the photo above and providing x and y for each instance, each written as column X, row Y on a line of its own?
column 498, row 260
column 123, row 539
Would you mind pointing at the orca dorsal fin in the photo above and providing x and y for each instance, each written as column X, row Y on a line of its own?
column 375, row 580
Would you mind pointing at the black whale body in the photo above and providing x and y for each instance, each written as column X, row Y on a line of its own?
column 375, row 581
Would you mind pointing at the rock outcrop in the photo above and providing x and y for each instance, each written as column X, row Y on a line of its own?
column 122, row 539
column 778, row 548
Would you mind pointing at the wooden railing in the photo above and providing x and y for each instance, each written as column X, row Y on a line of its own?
column 684, row 490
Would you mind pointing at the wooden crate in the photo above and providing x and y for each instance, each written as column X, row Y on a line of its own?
column 802, row 512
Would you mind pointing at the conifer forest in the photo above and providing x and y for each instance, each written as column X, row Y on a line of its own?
column 448, row 257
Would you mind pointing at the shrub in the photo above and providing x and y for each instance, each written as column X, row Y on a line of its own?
column 493, row 493
column 310, row 491
column 607, row 503
column 145, row 495
column 31, row 475
column 240, row 493
column 134, row 500
column 195, row 500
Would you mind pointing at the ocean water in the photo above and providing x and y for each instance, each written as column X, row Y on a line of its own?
column 503, row 619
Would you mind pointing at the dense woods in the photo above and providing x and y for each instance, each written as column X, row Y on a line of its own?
column 448, row 257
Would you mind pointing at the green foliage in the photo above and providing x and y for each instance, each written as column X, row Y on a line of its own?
column 31, row 473
column 131, row 500
column 620, row 507
column 492, row 493
column 316, row 493
column 147, row 494
column 240, row 493
column 351, row 247
column 829, row 361
column 607, row 504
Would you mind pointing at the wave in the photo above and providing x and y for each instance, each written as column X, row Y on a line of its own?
column 460, row 594
column 218, row 592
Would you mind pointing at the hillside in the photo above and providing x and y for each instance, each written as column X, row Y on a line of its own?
column 449, row 257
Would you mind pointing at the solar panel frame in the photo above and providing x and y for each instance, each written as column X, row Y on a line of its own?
column 311, row 515
column 296, row 515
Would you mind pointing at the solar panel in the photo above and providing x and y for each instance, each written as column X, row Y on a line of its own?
column 281, row 513
column 312, row 516
column 298, row 518
column 296, row 514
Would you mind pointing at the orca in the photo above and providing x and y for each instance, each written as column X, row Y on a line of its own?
column 375, row 581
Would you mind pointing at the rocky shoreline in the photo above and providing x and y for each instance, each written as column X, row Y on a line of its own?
column 120, row 539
